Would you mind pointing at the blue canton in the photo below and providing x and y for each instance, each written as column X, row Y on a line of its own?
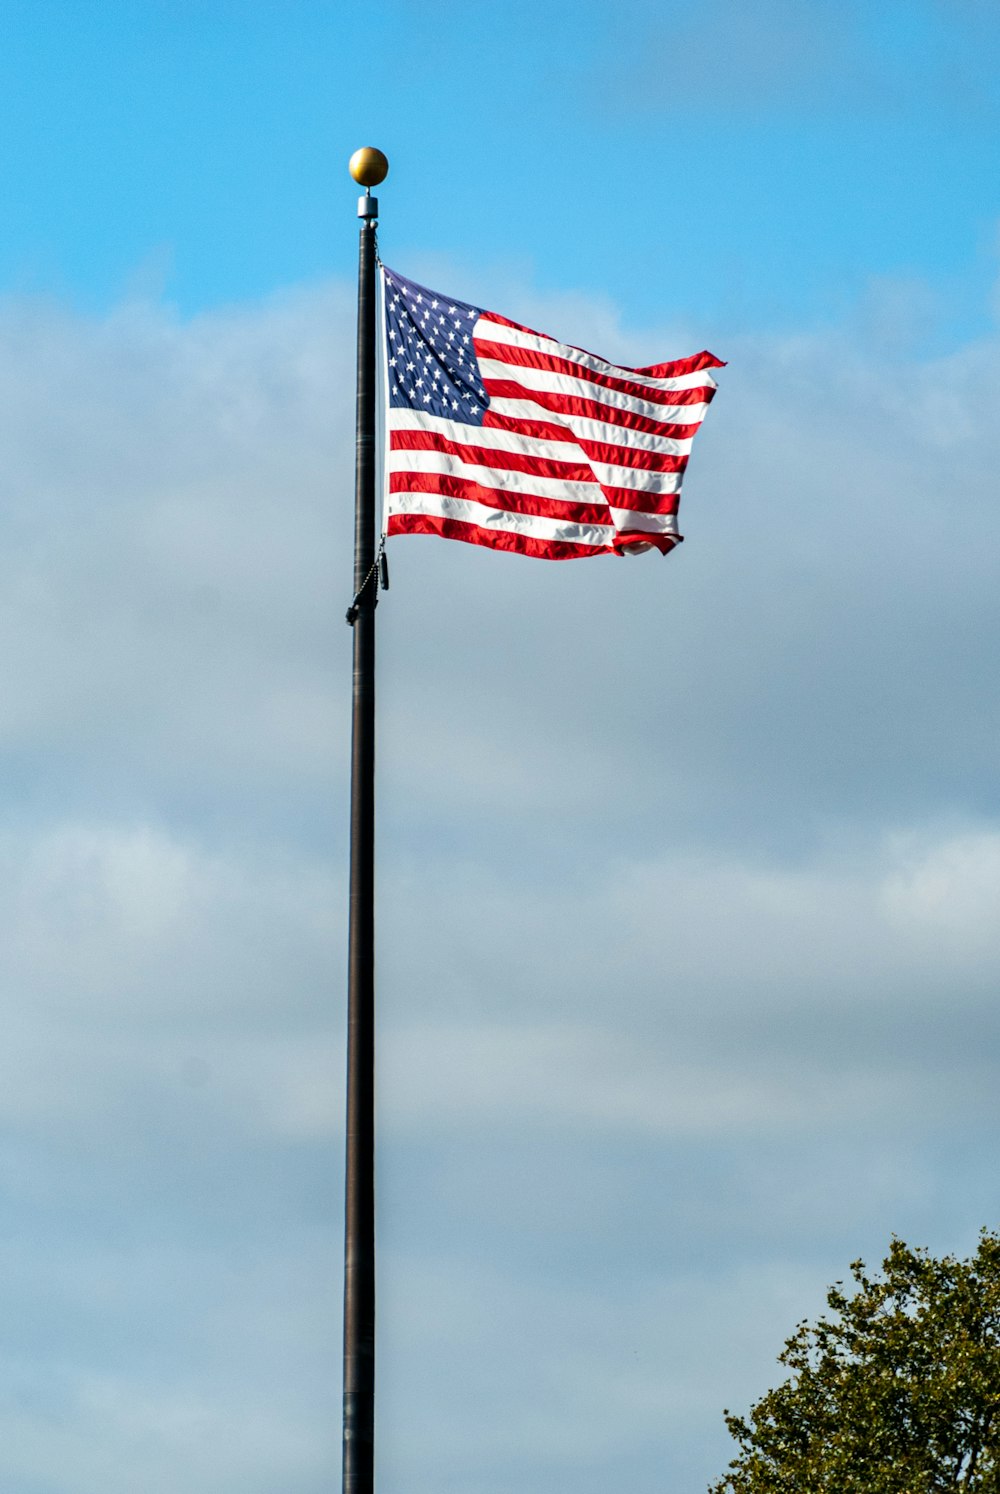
column 432, row 363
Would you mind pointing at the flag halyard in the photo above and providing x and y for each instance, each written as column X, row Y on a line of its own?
column 501, row 436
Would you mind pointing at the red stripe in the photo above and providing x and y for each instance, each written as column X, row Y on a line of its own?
column 677, row 367
column 641, row 502
column 632, row 456
column 544, row 430
column 492, row 539
column 490, row 456
column 514, row 357
column 566, row 404
column 504, row 501
column 662, row 542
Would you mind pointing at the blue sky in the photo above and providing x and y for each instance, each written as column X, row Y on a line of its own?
column 764, row 165
column 688, row 869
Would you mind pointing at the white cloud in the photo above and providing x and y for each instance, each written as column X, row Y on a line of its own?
column 688, row 997
column 594, row 1079
column 945, row 896
column 169, row 536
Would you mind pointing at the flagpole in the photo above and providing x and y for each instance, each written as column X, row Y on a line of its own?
column 368, row 167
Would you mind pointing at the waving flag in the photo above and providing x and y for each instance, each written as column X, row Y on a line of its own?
column 501, row 436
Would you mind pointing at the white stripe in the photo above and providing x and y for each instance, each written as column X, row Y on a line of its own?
column 586, row 430
column 598, row 535
column 637, row 479
column 490, row 331
column 554, row 383
column 487, row 436
column 630, row 518
column 498, row 478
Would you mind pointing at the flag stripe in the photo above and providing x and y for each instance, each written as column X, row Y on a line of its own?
column 474, row 533
column 637, row 501
column 636, row 481
column 636, row 541
column 540, row 526
column 627, row 457
column 643, row 434
column 504, row 393
column 628, row 518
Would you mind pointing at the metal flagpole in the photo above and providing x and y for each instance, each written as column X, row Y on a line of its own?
column 368, row 167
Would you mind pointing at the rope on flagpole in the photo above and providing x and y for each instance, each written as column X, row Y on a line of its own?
column 380, row 571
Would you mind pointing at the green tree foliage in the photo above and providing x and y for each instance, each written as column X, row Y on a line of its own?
column 895, row 1391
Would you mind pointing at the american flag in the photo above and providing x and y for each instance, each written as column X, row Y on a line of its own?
column 501, row 436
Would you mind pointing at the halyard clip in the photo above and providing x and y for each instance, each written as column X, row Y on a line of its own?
column 380, row 574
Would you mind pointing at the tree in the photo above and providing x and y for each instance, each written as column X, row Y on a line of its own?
column 895, row 1391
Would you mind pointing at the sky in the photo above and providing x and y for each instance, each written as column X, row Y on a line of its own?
column 687, row 867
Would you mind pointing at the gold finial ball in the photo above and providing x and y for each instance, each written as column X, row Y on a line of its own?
column 369, row 166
